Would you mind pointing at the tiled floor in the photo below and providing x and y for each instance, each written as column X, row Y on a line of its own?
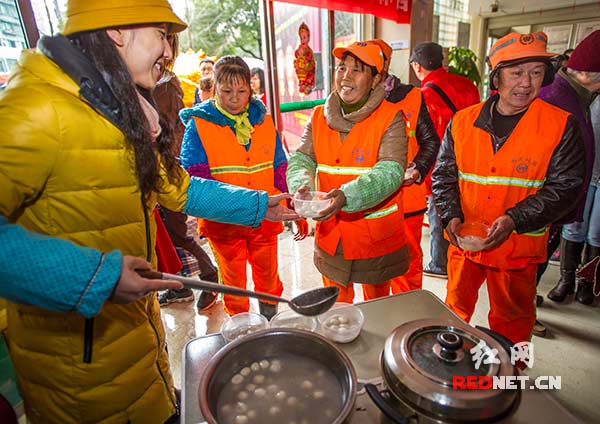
column 570, row 350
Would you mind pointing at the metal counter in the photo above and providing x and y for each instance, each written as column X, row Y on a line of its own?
column 382, row 316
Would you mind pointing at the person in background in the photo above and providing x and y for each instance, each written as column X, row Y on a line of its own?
column 511, row 163
column 207, row 89
column 561, row 60
column 444, row 94
column 168, row 96
column 233, row 139
column 206, row 71
column 423, row 146
column 257, row 83
column 354, row 148
column 574, row 89
column 83, row 158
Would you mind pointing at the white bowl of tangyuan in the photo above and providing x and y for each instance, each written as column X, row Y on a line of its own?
column 292, row 319
column 342, row 323
column 311, row 203
column 242, row 324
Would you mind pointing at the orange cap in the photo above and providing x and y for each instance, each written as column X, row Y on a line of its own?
column 516, row 46
column 370, row 54
column 386, row 49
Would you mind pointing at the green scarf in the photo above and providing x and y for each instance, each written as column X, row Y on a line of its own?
column 242, row 125
column 349, row 108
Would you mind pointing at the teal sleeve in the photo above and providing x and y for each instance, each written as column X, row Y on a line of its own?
column 370, row 189
column 301, row 171
column 220, row 202
column 54, row 274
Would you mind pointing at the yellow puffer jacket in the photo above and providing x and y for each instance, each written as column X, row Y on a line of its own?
column 71, row 175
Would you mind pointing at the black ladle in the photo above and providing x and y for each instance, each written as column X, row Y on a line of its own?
column 310, row 303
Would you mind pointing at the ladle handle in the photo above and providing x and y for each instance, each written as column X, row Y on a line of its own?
column 196, row 283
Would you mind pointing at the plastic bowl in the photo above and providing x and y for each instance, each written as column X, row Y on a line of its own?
column 310, row 204
column 342, row 323
column 472, row 236
column 241, row 325
column 291, row 319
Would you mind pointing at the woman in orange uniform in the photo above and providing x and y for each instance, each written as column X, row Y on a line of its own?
column 356, row 147
column 231, row 138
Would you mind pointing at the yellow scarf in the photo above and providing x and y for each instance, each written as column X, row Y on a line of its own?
column 242, row 125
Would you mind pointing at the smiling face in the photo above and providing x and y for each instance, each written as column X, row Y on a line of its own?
column 354, row 80
column 145, row 50
column 233, row 96
column 518, row 86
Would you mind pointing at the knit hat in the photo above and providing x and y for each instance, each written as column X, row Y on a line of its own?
column 585, row 57
column 429, row 55
column 386, row 49
column 89, row 15
column 369, row 54
column 515, row 48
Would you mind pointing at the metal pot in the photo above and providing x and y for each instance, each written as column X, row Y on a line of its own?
column 418, row 363
column 273, row 343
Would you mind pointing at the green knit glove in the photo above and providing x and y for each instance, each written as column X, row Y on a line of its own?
column 301, row 171
column 370, row 189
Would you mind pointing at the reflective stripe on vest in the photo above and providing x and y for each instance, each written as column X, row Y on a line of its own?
column 492, row 182
column 367, row 234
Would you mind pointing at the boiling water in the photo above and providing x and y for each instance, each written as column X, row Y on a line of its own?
column 287, row 389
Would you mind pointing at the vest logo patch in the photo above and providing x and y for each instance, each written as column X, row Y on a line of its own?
column 522, row 164
column 360, row 155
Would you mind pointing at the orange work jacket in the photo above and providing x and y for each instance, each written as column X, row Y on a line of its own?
column 490, row 183
column 414, row 196
column 367, row 234
column 230, row 163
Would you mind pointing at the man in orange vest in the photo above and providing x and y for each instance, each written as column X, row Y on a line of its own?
column 512, row 164
column 423, row 146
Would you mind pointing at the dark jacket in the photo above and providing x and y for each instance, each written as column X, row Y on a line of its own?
column 427, row 138
column 577, row 102
column 554, row 200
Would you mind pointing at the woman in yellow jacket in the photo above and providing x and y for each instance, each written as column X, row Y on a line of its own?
column 83, row 158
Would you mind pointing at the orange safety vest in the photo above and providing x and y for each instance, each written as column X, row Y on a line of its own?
column 230, row 163
column 414, row 196
column 490, row 183
column 367, row 234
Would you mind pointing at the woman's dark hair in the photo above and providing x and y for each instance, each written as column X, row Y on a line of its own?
column 230, row 69
column 101, row 51
column 362, row 64
column 261, row 78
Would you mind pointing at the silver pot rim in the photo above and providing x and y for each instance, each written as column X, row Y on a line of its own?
column 213, row 364
column 428, row 394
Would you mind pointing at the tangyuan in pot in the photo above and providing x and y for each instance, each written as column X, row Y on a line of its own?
column 277, row 377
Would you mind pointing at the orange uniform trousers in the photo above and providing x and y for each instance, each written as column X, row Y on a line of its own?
column 511, row 294
column 413, row 279
column 232, row 255
column 370, row 291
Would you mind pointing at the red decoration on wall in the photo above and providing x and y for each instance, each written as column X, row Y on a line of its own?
column 304, row 62
column 395, row 10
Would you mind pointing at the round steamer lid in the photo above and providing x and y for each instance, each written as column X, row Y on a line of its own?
column 421, row 358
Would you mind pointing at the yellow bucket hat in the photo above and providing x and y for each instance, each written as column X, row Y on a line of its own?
column 89, row 15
